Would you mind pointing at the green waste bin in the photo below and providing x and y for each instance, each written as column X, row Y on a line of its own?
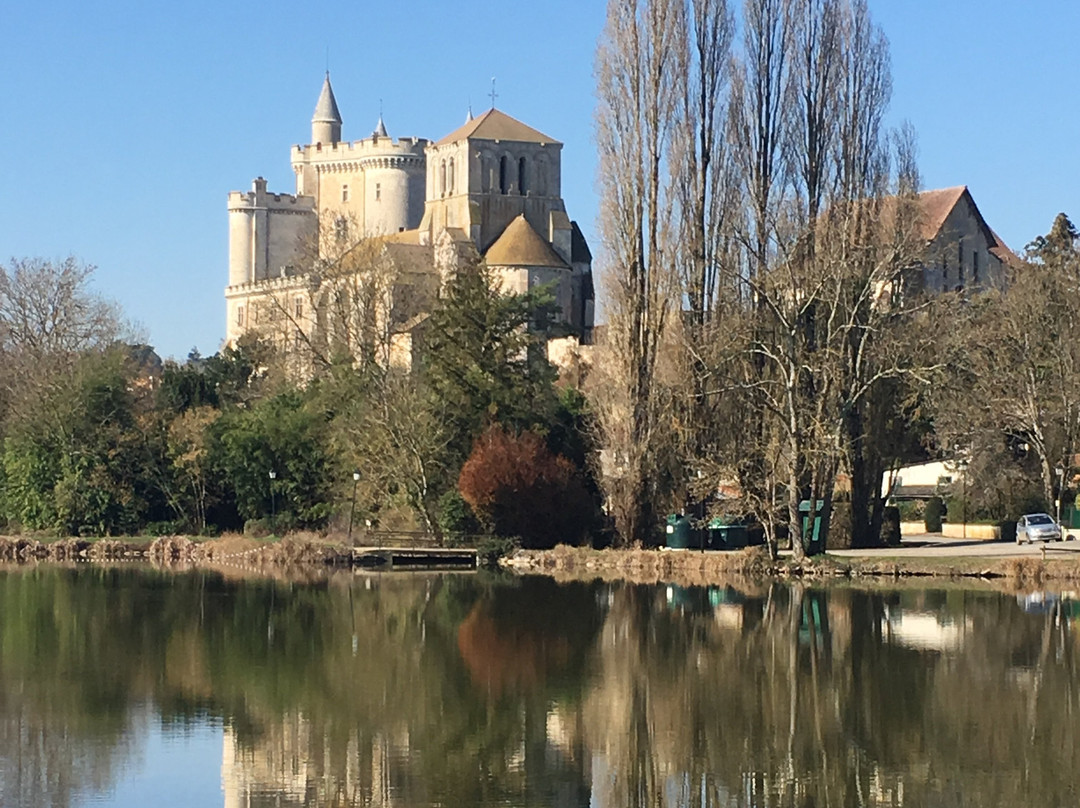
column 804, row 509
column 726, row 534
column 680, row 532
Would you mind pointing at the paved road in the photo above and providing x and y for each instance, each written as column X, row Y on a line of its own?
column 929, row 545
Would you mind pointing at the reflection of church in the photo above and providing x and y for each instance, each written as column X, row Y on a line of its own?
column 490, row 189
column 292, row 766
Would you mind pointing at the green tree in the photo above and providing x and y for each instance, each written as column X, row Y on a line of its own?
column 283, row 434
column 485, row 358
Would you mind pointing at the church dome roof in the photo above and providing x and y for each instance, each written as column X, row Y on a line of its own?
column 326, row 110
column 521, row 246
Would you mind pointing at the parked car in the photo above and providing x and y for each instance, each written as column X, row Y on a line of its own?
column 1037, row 527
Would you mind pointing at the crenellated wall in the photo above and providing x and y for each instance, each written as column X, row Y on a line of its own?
column 268, row 232
column 376, row 183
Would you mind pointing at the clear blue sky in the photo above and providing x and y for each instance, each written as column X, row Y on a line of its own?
column 125, row 124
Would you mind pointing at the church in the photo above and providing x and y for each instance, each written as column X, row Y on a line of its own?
column 416, row 209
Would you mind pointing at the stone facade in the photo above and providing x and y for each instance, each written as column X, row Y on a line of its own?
column 490, row 189
column 963, row 252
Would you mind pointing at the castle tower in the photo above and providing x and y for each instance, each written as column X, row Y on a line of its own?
column 326, row 122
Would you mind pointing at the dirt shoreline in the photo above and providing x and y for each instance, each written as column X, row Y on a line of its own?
column 695, row 568
column 563, row 563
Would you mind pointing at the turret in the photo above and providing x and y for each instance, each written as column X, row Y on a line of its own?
column 326, row 122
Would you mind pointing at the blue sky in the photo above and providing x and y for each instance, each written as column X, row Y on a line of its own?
column 125, row 124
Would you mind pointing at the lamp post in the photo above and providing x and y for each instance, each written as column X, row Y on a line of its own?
column 273, row 508
column 1060, row 472
column 962, row 465
column 352, row 507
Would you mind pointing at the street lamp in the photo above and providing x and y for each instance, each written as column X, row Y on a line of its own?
column 962, row 465
column 273, row 509
column 1060, row 471
column 352, row 507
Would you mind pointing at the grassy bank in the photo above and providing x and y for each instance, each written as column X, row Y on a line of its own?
column 693, row 568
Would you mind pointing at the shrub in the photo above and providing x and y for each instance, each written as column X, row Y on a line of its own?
column 935, row 510
column 515, row 485
column 491, row 548
column 455, row 516
column 911, row 510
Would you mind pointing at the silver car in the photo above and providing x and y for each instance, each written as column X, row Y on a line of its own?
column 1037, row 527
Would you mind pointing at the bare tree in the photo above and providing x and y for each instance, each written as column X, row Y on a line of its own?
column 48, row 316
column 638, row 111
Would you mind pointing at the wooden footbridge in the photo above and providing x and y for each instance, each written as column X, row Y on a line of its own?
column 402, row 550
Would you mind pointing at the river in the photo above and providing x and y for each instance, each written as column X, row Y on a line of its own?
column 133, row 686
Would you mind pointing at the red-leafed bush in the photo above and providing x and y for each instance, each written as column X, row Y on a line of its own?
column 519, row 488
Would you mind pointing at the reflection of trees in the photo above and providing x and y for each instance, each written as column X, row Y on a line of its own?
column 347, row 693
column 804, row 701
column 414, row 690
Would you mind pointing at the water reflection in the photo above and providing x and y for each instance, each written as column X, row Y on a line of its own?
column 451, row 690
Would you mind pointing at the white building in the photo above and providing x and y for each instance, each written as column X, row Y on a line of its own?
column 490, row 189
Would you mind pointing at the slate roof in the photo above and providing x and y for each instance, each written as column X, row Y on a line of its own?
column 326, row 110
column 521, row 246
column 496, row 125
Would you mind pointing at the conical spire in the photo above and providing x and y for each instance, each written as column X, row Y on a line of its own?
column 380, row 130
column 326, row 122
column 326, row 110
column 468, row 115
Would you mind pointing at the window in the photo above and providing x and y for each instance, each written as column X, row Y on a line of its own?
column 975, row 267
column 442, row 178
column 521, row 176
column 503, row 179
column 298, row 307
column 298, row 341
column 378, row 192
column 345, row 193
column 450, row 185
column 240, row 316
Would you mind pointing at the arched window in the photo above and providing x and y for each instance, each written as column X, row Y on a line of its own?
column 521, row 176
column 451, row 172
column 442, row 178
column 503, row 179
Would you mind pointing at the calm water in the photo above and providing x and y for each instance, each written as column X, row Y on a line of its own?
column 135, row 687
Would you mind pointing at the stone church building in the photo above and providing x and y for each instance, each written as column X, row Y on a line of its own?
column 489, row 190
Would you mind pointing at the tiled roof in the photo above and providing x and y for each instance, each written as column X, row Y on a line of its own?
column 521, row 246
column 936, row 207
column 496, row 125
column 1002, row 251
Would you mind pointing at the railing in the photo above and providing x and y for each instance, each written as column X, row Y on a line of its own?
column 415, row 539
